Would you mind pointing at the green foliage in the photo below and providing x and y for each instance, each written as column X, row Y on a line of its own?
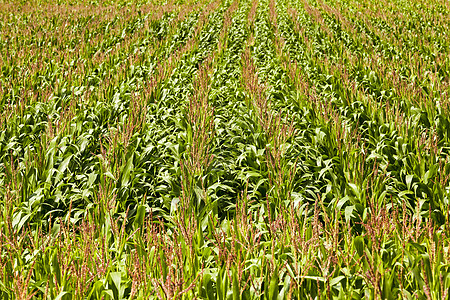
column 224, row 150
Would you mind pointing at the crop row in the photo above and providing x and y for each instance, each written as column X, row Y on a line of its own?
column 225, row 149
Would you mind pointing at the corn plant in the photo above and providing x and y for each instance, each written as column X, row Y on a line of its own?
column 224, row 149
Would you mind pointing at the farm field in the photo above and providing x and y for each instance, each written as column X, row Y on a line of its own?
column 224, row 149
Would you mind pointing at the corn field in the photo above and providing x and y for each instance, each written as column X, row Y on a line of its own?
column 224, row 149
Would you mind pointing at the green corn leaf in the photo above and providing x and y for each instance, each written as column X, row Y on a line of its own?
column 272, row 290
column 126, row 172
column 139, row 218
column 359, row 245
